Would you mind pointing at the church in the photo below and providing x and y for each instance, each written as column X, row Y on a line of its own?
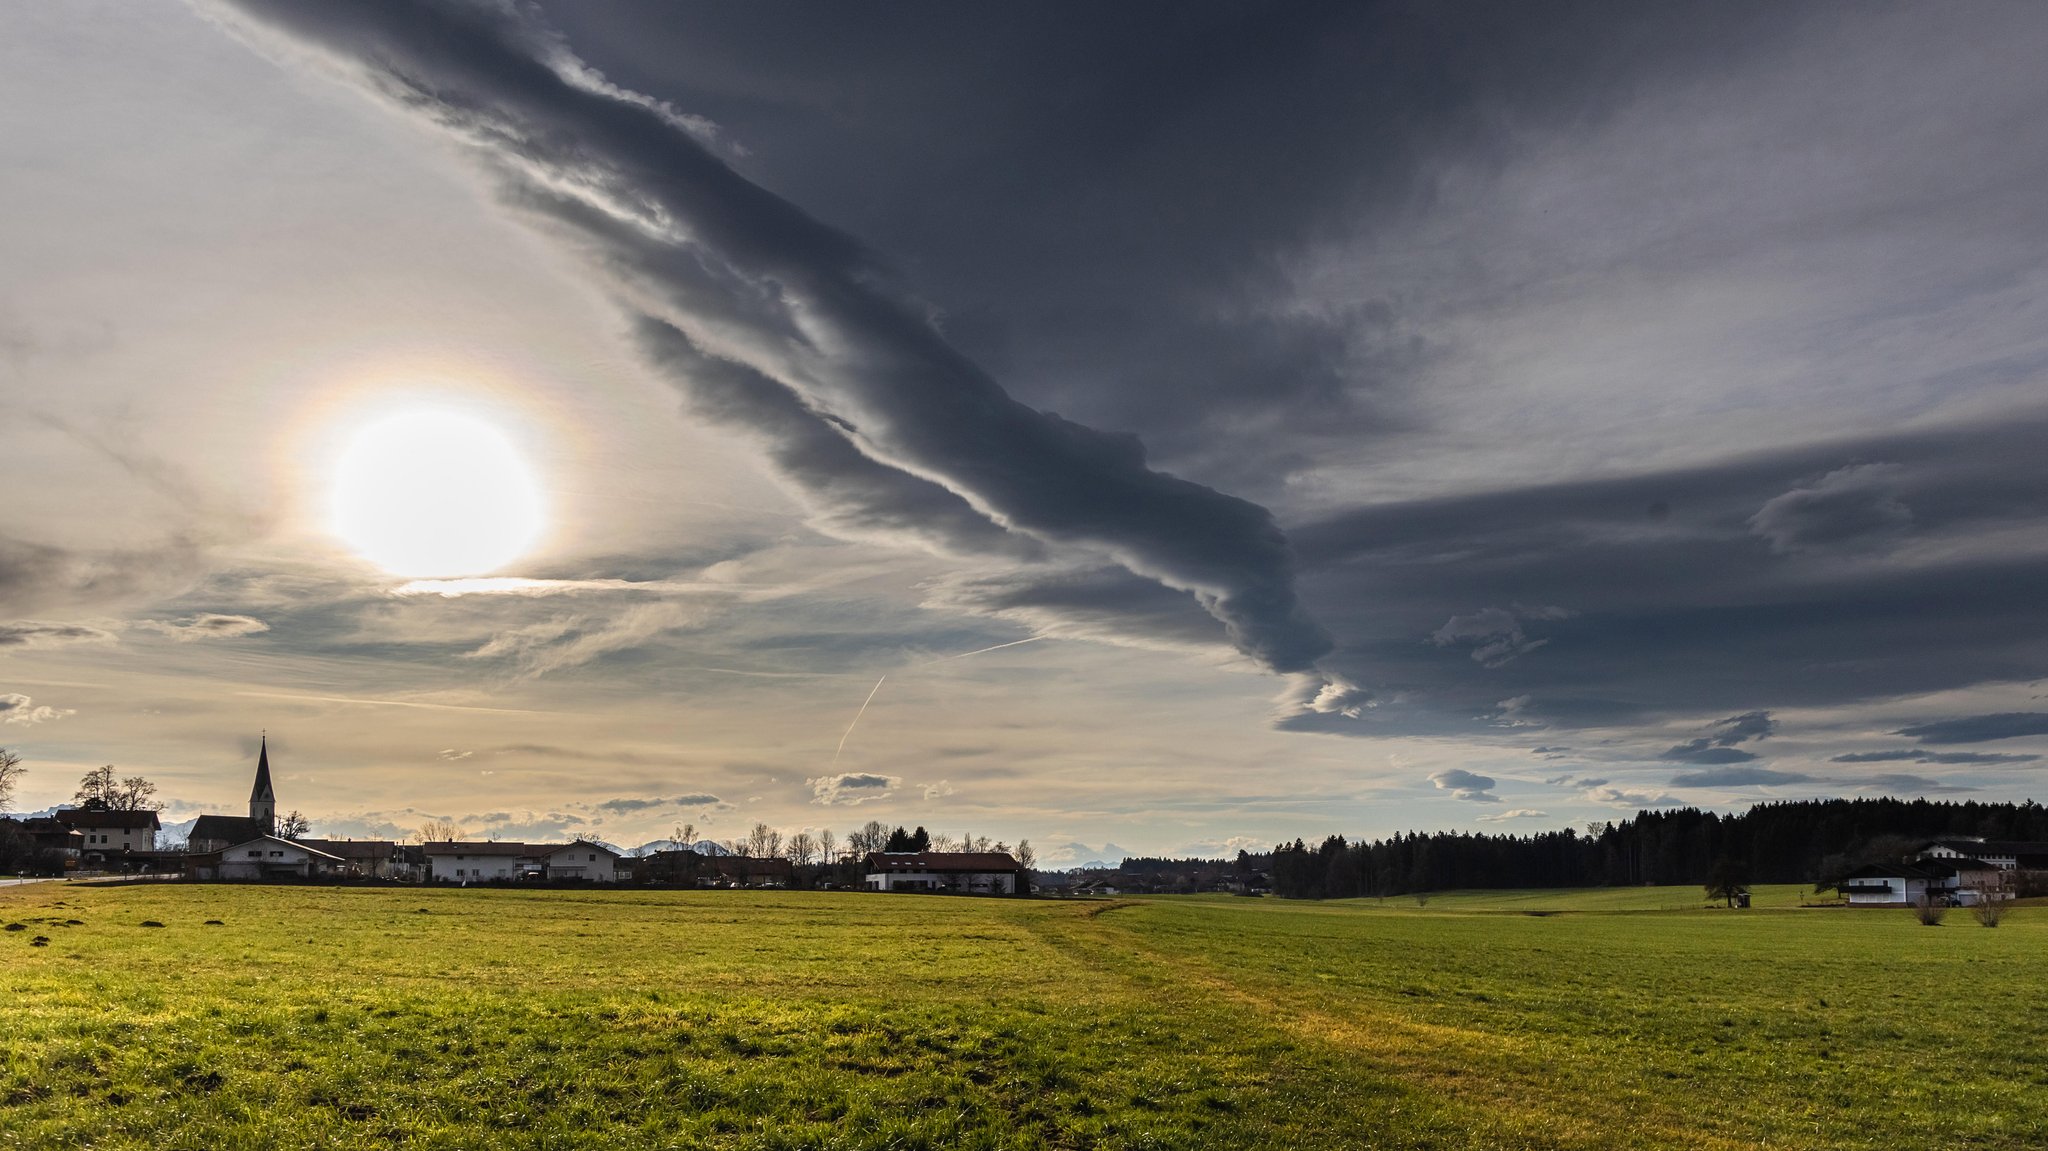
column 249, row 847
column 213, row 833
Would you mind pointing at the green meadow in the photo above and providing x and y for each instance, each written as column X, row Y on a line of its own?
column 287, row 1017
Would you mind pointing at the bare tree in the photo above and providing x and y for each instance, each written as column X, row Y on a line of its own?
column 439, row 831
column 872, row 836
column 683, row 836
column 828, row 845
column 1026, row 858
column 11, row 772
column 773, row 846
column 293, row 826
column 944, row 842
column 99, row 788
column 758, row 842
column 801, row 849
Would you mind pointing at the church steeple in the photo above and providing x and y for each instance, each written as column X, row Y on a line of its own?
column 262, row 800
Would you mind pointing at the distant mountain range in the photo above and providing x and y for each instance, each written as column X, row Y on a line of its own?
column 701, row 847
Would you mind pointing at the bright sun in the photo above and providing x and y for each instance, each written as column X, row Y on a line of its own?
column 436, row 493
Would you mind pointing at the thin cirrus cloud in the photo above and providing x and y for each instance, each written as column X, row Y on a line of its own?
column 740, row 274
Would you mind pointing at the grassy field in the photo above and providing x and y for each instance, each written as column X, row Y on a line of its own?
column 314, row 1017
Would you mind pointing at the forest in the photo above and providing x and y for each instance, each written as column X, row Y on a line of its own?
column 1802, row 841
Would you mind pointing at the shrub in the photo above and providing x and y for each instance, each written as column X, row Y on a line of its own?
column 1989, row 912
column 1929, row 911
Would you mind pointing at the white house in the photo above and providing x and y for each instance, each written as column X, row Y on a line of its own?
column 457, row 861
column 108, row 832
column 582, row 859
column 268, row 857
column 1963, row 881
column 963, row 872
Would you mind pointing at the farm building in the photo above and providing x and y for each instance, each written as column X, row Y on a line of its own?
column 707, row 870
column 2001, row 854
column 964, row 872
column 1963, row 881
column 265, row 857
column 109, row 833
column 579, row 860
column 457, row 861
column 372, row 858
column 43, row 839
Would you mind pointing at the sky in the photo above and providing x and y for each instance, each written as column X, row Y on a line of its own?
column 1150, row 428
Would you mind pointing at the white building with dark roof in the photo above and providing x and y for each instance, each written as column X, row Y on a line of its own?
column 959, row 872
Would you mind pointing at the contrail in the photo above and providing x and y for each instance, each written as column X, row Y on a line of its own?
column 942, row 659
column 998, row 647
column 856, row 719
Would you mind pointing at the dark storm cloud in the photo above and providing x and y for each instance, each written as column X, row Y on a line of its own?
column 851, row 493
column 629, row 805
column 1942, row 757
column 1700, row 751
column 1915, row 785
column 1106, row 604
column 1980, row 728
column 1738, row 777
column 1719, row 745
column 823, row 315
column 1666, row 570
column 1856, row 504
column 1103, row 197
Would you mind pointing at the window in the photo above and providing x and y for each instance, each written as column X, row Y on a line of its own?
column 255, row 855
column 276, row 854
column 593, row 857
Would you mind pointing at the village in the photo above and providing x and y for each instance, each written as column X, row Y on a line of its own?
column 101, row 837
column 119, row 835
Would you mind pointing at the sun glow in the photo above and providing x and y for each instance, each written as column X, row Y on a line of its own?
column 436, row 494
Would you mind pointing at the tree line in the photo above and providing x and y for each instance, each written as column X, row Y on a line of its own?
column 1798, row 841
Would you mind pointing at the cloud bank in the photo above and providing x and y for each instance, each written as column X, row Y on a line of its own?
column 783, row 324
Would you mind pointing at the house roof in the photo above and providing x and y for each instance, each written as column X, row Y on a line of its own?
column 106, row 817
column 266, row 839
column 232, row 828
column 1923, row 869
column 354, row 848
column 748, row 866
column 942, row 861
column 477, row 847
column 551, row 848
column 1982, row 847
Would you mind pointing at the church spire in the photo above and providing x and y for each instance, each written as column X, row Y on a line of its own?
column 262, row 800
